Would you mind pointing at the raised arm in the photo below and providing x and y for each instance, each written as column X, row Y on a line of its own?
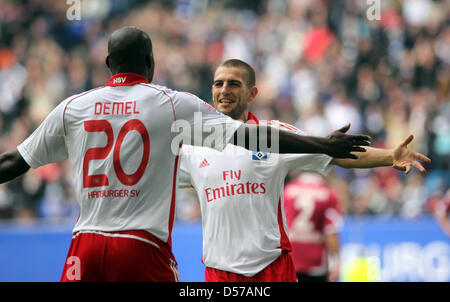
column 400, row 158
column 12, row 165
column 337, row 145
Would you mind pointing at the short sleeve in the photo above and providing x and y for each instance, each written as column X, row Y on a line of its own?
column 320, row 163
column 201, row 124
column 47, row 143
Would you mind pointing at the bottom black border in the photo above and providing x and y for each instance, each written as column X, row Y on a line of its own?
column 200, row 291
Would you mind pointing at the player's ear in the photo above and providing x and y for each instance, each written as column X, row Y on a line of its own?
column 253, row 93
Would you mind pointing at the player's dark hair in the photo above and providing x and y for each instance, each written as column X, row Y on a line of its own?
column 251, row 77
column 127, row 50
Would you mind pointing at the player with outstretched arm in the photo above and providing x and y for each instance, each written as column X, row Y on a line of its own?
column 245, row 237
column 117, row 139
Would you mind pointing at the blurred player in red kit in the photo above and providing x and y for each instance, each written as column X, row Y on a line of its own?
column 314, row 219
column 118, row 139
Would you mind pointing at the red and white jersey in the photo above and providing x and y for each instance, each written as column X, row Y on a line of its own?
column 311, row 211
column 119, row 141
column 241, row 201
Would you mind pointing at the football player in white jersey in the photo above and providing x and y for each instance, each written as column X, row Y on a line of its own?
column 119, row 139
column 241, row 192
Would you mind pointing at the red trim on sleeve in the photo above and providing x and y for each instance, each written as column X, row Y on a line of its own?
column 289, row 127
column 281, row 124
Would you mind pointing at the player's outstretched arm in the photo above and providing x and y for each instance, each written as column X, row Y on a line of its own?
column 337, row 145
column 400, row 158
column 12, row 165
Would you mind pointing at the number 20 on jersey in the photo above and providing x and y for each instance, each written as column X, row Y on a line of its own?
column 98, row 153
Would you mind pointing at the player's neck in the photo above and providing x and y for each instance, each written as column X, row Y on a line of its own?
column 138, row 71
column 244, row 116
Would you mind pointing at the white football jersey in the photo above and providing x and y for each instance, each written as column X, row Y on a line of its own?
column 241, row 200
column 123, row 151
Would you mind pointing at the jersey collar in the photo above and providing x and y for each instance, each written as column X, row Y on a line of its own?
column 252, row 119
column 125, row 79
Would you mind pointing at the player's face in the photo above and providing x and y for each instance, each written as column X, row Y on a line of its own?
column 230, row 92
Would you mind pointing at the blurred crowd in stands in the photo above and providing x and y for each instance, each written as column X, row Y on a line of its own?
column 319, row 65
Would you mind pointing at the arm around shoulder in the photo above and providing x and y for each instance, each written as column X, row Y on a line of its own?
column 337, row 145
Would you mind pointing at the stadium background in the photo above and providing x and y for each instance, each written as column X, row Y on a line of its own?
column 319, row 64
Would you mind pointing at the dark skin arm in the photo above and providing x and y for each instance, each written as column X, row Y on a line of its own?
column 12, row 165
column 337, row 144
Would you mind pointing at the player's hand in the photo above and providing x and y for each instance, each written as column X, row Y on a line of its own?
column 341, row 144
column 405, row 159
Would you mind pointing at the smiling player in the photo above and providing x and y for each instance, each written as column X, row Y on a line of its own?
column 118, row 139
column 241, row 193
